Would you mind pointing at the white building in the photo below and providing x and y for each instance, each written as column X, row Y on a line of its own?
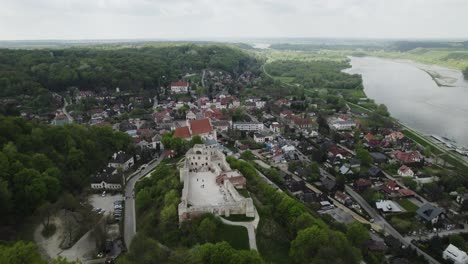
column 341, row 125
column 179, row 87
column 275, row 127
column 121, row 160
column 261, row 138
column 455, row 254
column 248, row 126
column 405, row 171
column 190, row 115
column 210, row 185
column 107, row 179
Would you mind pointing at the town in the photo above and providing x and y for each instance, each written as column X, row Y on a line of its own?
column 347, row 165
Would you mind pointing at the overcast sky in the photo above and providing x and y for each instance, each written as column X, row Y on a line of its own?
column 188, row 19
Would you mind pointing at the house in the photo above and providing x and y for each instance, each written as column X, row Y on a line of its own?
column 200, row 127
column 179, row 87
column 107, row 179
column 395, row 137
column 190, row 115
column 122, row 160
column 375, row 172
column 390, row 187
column 407, row 157
column 262, row 137
column 234, row 176
column 378, row 157
column 387, row 206
column 248, row 126
column 406, row 193
column 342, row 198
column 328, row 184
column 429, row 213
column 362, row 185
column 462, row 198
column 221, row 125
column 345, row 169
column 455, row 255
column 60, row 120
column 275, row 127
column 405, row 171
column 342, row 125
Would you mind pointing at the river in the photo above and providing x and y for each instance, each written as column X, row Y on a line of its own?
column 413, row 97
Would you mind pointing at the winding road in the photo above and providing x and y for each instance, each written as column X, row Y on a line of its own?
column 130, row 216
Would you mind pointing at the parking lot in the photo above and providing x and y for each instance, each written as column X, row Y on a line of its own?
column 106, row 203
column 340, row 215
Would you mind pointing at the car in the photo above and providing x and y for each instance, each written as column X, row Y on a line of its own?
column 103, row 194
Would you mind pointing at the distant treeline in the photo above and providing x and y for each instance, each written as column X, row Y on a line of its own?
column 39, row 162
column 410, row 45
column 317, row 47
column 316, row 74
column 33, row 72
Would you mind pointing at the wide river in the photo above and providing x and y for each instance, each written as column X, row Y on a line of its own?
column 413, row 97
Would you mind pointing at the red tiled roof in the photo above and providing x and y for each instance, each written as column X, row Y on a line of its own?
column 404, row 168
column 406, row 192
column 363, row 183
column 179, row 84
column 182, row 132
column 407, row 157
column 200, row 126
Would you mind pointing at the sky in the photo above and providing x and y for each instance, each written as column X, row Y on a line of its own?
column 205, row 19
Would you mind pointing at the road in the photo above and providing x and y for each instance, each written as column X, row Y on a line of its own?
column 203, row 79
column 250, row 226
column 386, row 227
column 64, row 110
column 130, row 216
column 380, row 221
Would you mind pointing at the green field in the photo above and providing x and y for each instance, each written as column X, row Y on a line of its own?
column 451, row 58
column 236, row 236
column 408, row 205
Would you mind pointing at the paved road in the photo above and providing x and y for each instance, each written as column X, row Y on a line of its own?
column 251, row 227
column 130, row 217
column 386, row 227
column 64, row 110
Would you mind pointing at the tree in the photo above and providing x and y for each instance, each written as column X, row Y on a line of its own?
column 207, row 230
column 247, row 155
column 224, row 253
column 20, row 253
column 410, row 182
column 357, row 234
column 45, row 211
column 364, row 156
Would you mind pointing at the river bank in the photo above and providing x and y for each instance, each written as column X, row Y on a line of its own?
column 414, row 98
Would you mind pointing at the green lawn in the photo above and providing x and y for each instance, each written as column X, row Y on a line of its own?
column 408, row 205
column 236, row 236
column 420, row 140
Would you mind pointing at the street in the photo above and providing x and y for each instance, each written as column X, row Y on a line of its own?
column 130, row 217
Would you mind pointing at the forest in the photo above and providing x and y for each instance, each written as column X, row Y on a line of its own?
column 315, row 74
column 39, row 162
column 36, row 73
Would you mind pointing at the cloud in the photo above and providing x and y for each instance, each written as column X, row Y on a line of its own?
column 101, row 19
